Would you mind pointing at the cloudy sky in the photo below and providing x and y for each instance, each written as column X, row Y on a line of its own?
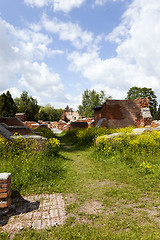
column 55, row 49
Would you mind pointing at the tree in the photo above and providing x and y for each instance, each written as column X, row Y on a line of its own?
column 137, row 92
column 157, row 115
column 8, row 107
column 90, row 99
column 28, row 105
column 49, row 113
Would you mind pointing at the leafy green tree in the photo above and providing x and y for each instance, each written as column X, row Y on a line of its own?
column 157, row 115
column 49, row 113
column 28, row 105
column 90, row 99
column 137, row 92
column 8, row 107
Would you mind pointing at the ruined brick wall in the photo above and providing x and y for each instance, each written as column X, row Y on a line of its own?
column 14, row 125
column 97, row 115
column 69, row 115
column 74, row 125
column 155, row 123
column 10, row 121
column 31, row 124
column 61, row 124
column 63, row 115
column 119, row 113
column 54, row 125
column 124, row 113
column 146, row 117
column 21, row 131
column 143, row 102
column 21, row 116
column 88, row 120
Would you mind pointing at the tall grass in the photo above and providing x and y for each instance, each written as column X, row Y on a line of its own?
column 31, row 169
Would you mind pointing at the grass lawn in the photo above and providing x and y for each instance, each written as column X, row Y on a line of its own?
column 105, row 198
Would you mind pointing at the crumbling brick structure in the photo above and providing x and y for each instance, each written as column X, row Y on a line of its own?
column 21, row 116
column 124, row 113
column 69, row 115
column 5, row 193
column 31, row 124
column 10, row 125
column 78, row 124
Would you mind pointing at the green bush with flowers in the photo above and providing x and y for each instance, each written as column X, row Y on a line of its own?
column 45, row 132
column 87, row 136
column 148, row 142
column 132, row 148
column 52, row 146
column 31, row 168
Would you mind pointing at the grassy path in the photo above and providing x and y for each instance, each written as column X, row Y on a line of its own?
column 105, row 199
column 110, row 195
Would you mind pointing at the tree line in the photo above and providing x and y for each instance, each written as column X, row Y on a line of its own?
column 90, row 99
column 28, row 105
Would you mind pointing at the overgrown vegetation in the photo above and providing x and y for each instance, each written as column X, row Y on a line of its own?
column 45, row 132
column 87, row 137
column 140, row 150
column 31, row 168
column 108, row 193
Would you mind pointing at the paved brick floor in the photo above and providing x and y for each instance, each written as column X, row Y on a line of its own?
column 38, row 211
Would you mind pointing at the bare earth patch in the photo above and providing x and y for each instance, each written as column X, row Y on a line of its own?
column 93, row 207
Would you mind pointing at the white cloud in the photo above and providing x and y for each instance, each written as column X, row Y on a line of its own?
column 137, row 62
column 36, row 3
column 73, row 101
column 39, row 78
column 29, row 43
column 41, row 81
column 69, row 32
column 102, row 2
column 66, row 5
column 139, row 43
column 58, row 5
column 21, row 51
column 8, row 60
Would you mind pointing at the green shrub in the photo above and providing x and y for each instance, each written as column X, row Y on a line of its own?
column 87, row 136
column 148, row 142
column 52, row 147
column 142, row 150
column 44, row 132
column 30, row 169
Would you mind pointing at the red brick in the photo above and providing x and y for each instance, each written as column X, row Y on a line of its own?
column 5, row 185
column 5, row 194
column 6, row 203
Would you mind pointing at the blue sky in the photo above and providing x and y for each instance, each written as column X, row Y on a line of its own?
column 55, row 49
